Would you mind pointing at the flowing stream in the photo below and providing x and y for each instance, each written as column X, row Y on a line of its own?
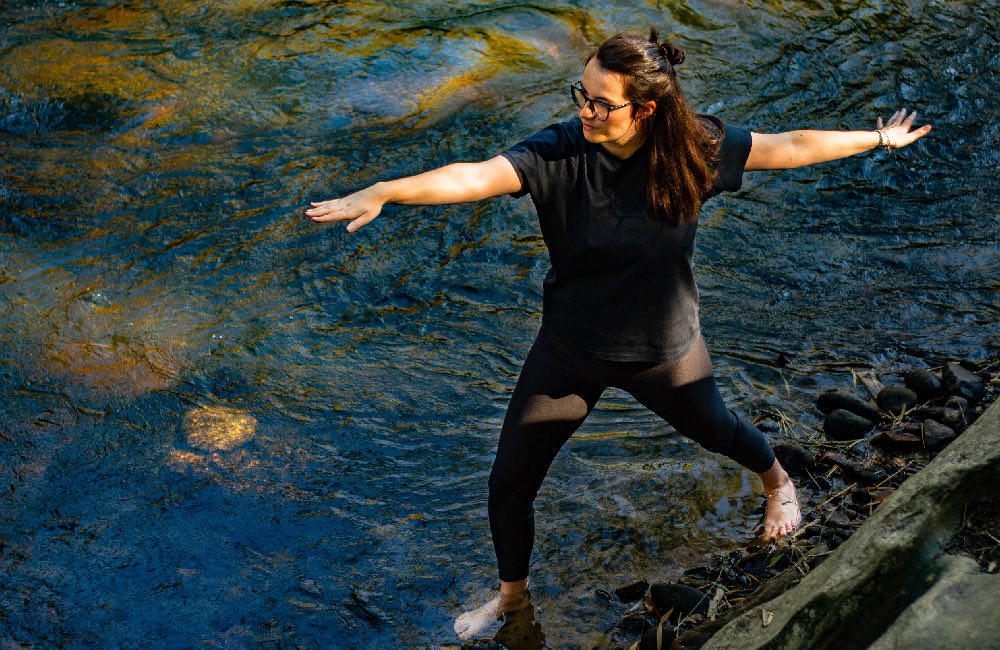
column 224, row 426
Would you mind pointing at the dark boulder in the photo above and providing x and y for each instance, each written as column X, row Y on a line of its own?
column 841, row 424
column 961, row 382
column 896, row 399
column 832, row 400
column 925, row 383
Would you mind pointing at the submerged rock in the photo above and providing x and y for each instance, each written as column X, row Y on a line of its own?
column 218, row 428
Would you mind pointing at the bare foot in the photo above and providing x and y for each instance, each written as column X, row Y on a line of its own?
column 478, row 621
column 783, row 514
column 493, row 613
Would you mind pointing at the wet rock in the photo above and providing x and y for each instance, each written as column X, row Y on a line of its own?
column 860, row 496
column 958, row 403
column 954, row 419
column 937, row 435
column 838, row 520
column 796, row 460
column 657, row 639
column 682, row 599
column 924, row 412
column 632, row 592
column 831, row 400
column 218, row 428
column 893, row 439
column 864, row 474
column 769, row 426
column 925, row 383
column 961, row 382
column 841, row 424
column 896, row 399
column 822, row 482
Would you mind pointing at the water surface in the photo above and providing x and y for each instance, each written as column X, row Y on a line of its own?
column 156, row 276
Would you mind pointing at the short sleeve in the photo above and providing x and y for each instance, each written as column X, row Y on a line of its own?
column 540, row 159
column 733, row 154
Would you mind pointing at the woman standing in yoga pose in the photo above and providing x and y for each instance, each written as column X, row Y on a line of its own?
column 617, row 190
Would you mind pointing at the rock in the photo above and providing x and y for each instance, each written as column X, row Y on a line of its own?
column 841, row 424
column 682, row 599
column 954, row 418
column 769, row 426
column 838, row 520
column 860, row 496
column 957, row 403
column 632, row 592
column 937, row 435
column 649, row 638
column 925, row 383
column 932, row 412
column 961, row 382
column 864, row 474
column 896, row 399
column 889, row 564
column 893, row 439
column 832, row 400
column 958, row 611
column 794, row 459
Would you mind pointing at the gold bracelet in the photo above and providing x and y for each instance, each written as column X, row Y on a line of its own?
column 885, row 144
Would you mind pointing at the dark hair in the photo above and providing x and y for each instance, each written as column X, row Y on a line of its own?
column 681, row 147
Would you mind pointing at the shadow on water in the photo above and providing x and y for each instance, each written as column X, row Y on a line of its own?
column 222, row 425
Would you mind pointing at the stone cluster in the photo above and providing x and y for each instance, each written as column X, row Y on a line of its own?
column 871, row 446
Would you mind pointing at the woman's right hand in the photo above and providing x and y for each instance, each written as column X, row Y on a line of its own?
column 359, row 208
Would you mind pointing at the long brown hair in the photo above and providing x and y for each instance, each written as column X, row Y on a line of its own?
column 682, row 150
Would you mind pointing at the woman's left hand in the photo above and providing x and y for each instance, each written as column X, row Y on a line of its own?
column 897, row 129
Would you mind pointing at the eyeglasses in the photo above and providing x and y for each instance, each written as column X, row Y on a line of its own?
column 601, row 110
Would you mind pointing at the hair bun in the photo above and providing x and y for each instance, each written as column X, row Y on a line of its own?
column 673, row 54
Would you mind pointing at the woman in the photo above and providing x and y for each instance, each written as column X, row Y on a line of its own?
column 617, row 191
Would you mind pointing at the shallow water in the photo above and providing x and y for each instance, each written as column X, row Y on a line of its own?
column 157, row 280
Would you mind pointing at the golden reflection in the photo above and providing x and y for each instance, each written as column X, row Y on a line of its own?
column 218, row 428
column 110, row 351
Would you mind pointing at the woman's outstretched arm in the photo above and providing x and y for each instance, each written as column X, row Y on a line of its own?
column 454, row 183
column 801, row 148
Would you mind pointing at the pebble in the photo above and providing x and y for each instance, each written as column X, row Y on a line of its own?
column 841, row 424
column 961, row 382
column 838, row 520
column 925, row 383
column 680, row 598
column 896, row 399
column 832, row 400
column 632, row 592
column 795, row 459
column 893, row 439
column 937, row 435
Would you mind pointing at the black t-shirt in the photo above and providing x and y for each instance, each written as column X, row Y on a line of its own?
column 621, row 286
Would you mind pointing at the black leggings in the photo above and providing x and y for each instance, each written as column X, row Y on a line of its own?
column 555, row 393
